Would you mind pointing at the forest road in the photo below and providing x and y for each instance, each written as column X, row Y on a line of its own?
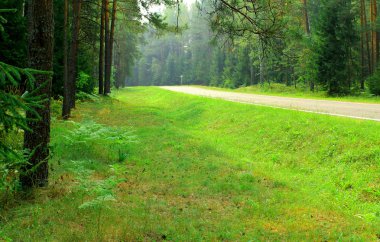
column 336, row 108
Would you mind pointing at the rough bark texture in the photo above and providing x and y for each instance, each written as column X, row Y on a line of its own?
column 66, row 87
column 110, row 52
column 73, row 57
column 40, row 56
column 101, row 49
column 107, row 67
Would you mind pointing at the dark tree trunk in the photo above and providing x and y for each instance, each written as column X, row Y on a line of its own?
column 73, row 57
column 118, row 71
column 66, row 86
column 101, row 49
column 40, row 56
column 110, row 51
column 364, row 45
column 107, row 66
column 367, row 36
column 374, row 45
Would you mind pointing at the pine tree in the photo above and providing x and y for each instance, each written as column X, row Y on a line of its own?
column 13, row 105
column 40, row 56
column 338, row 36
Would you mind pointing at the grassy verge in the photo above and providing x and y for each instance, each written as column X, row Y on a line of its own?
column 289, row 91
column 203, row 169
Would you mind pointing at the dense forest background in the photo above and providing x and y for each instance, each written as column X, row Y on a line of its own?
column 317, row 45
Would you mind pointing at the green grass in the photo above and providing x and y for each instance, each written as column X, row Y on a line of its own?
column 282, row 90
column 205, row 169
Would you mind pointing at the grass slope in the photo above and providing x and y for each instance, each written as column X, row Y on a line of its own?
column 204, row 169
column 281, row 90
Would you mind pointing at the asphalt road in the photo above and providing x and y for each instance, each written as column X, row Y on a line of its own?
column 336, row 108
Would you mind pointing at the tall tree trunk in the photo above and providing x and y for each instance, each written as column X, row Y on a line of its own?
column 66, row 86
column 251, row 73
column 306, row 17
column 366, row 61
column 306, row 23
column 73, row 57
column 101, row 49
column 367, row 37
column 107, row 45
column 362, row 40
column 262, row 70
column 374, row 41
column 118, row 70
column 110, row 51
column 262, row 64
column 40, row 56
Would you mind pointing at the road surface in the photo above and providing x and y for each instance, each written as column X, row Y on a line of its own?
column 336, row 108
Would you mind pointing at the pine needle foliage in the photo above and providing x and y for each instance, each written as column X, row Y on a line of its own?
column 13, row 105
column 2, row 19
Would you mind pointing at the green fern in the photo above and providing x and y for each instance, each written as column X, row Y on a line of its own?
column 99, row 193
column 92, row 140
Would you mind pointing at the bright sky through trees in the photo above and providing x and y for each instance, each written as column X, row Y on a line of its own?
column 160, row 8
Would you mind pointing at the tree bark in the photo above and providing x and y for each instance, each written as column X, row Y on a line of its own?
column 110, row 51
column 101, row 49
column 107, row 47
column 118, row 71
column 40, row 56
column 362, row 40
column 367, row 38
column 73, row 57
column 306, row 24
column 262, row 64
column 374, row 41
column 66, row 87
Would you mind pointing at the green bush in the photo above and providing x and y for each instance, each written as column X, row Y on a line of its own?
column 85, row 83
column 374, row 83
column 228, row 83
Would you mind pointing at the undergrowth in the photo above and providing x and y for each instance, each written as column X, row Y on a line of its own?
column 93, row 141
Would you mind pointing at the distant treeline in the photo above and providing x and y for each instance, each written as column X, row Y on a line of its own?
column 324, row 45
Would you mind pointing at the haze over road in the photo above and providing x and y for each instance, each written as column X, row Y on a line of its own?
column 336, row 108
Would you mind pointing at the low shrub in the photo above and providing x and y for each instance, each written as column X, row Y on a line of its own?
column 91, row 140
column 374, row 83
